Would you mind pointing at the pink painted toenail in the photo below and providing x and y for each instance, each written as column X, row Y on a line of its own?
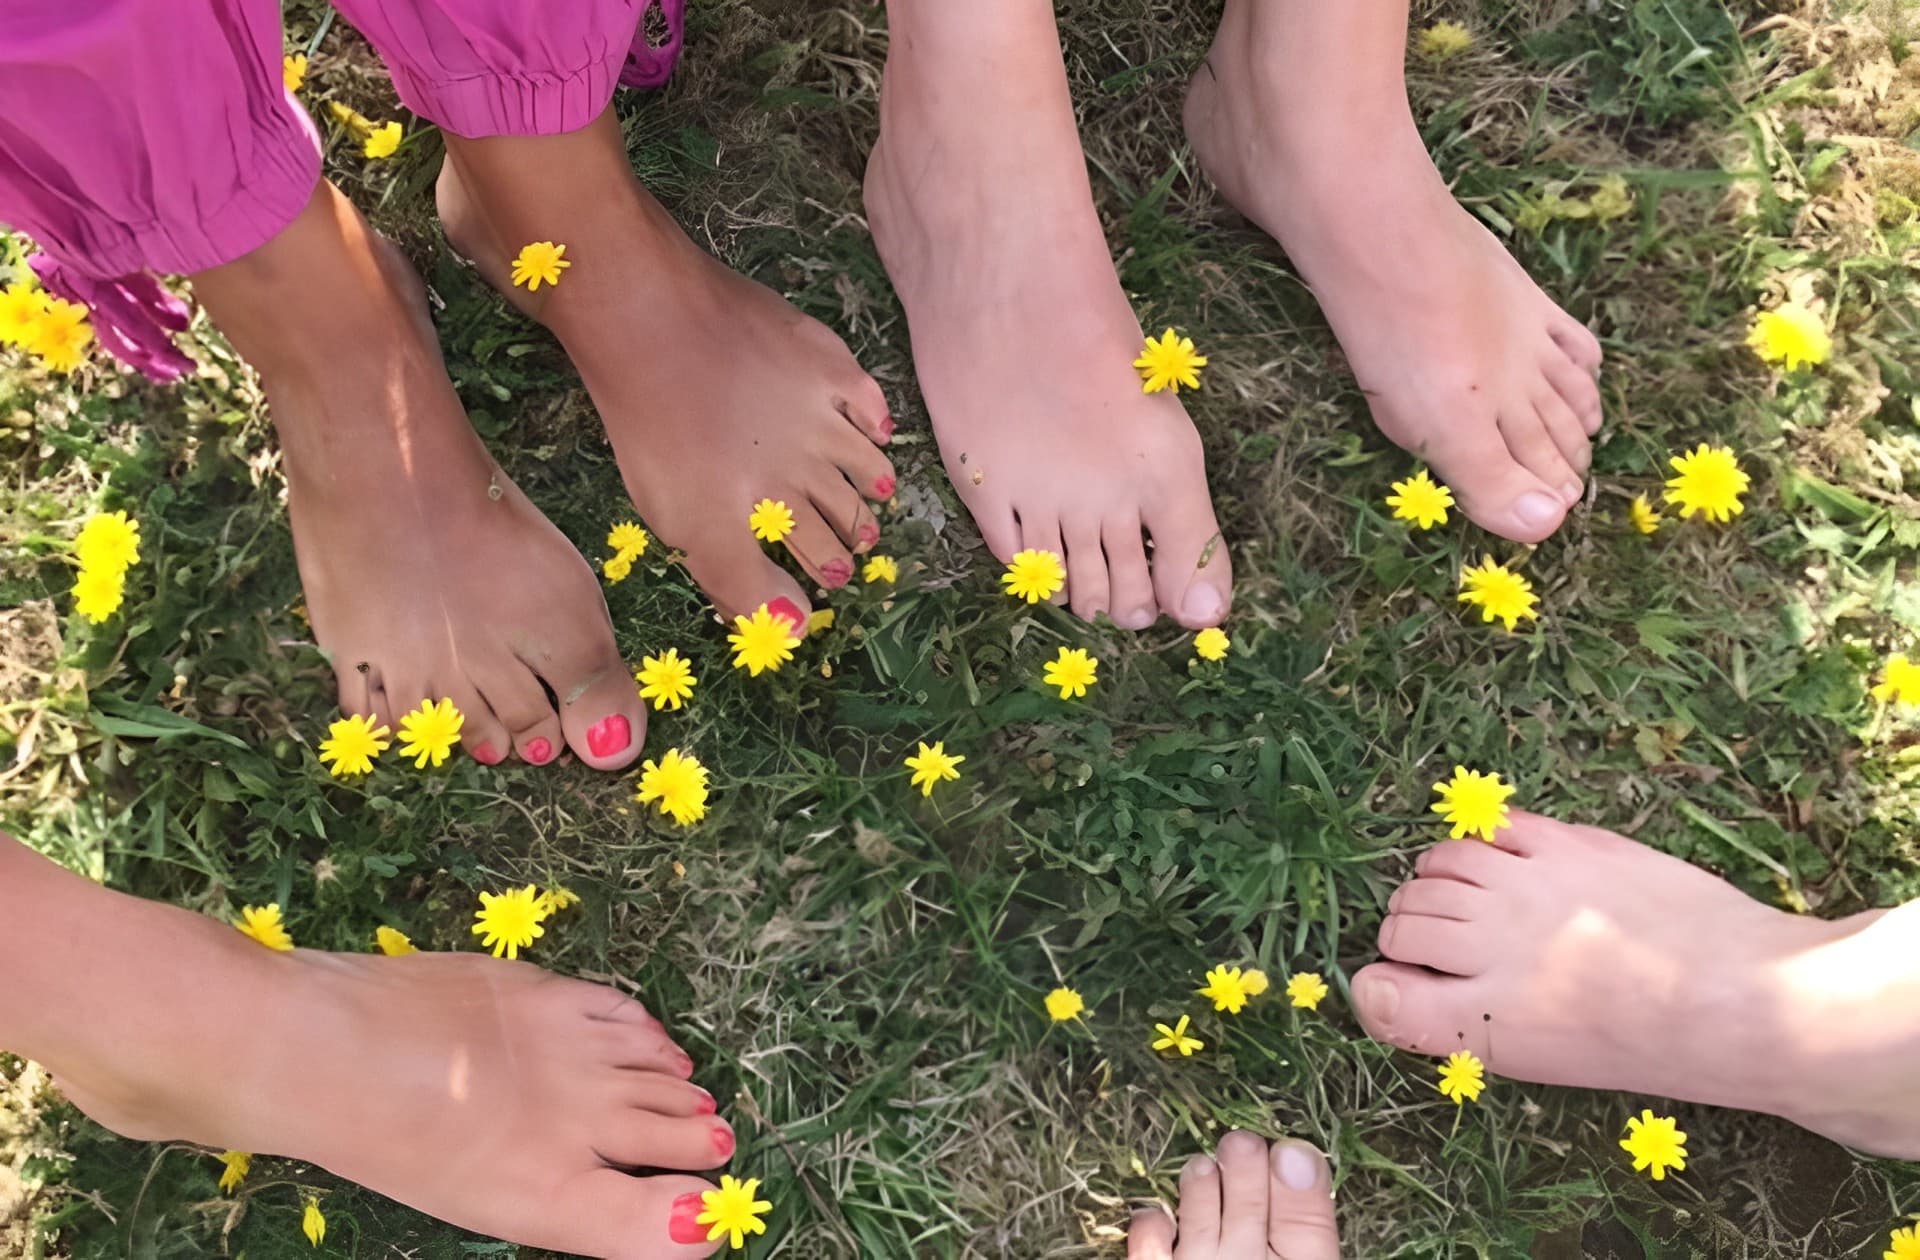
column 723, row 1142
column 787, row 611
column 684, row 1062
column 608, row 736
column 835, row 574
column 683, row 1226
column 485, row 754
column 705, row 1105
column 539, row 752
column 886, row 423
column 868, row 533
column 883, row 488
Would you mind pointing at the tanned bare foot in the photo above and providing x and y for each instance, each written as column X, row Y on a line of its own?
column 1023, row 341
column 1247, row 1203
column 715, row 393
column 489, row 1094
column 428, row 574
column 1574, row 956
column 1300, row 115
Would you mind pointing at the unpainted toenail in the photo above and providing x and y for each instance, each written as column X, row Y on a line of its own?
column 1297, row 1167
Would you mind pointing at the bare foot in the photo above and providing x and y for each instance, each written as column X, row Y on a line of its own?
column 1574, row 956
column 427, row 572
column 1023, row 341
column 1300, row 116
column 1248, row 1203
column 715, row 393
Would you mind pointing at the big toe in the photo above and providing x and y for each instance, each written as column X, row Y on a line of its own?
column 1192, row 576
column 739, row 577
column 1413, row 1008
column 607, row 1213
column 1495, row 489
column 601, row 713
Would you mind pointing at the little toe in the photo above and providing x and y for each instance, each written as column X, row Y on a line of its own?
column 628, row 1137
column 1243, row 1194
column 520, row 702
column 1576, row 340
column 1494, row 490
column 482, row 733
column 739, row 577
column 601, row 713
column 1192, row 577
column 1129, row 577
column 817, row 547
column 1576, row 388
column 1087, row 585
column 1042, row 533
column 1150, row 1235
column 1452, row 946
column 606, row 1212
column 1568, row 434
column 842, row 508
column 1199, row 1210
column 1534, row 449
column 1300, row 1220
column 1414, row 1009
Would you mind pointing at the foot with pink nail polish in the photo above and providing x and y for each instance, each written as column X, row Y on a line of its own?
column 1249, row 1202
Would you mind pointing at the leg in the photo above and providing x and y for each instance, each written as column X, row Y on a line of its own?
column 490, row 1094
column 1248, row 1203
column 1573, row 956
column 1300, row 115
column 1023, row 340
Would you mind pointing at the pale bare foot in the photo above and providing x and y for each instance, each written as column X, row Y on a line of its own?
column 1023, row 341
column 1247, row 1203
column 1300, row 116
column 427, row 572
column 715, row 392
column 1574, row 956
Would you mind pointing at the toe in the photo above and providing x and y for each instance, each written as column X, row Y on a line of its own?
column 663, row 1095
column 1440, row 899
column 520, row 702
column 1470, row 861
column 1300, row 1222
column 1150, row 1235
column 843, row 509
column 355, row 688
column 1192, row 577
column 380, row 705
column 482, row 733
column 1243, row 1194
column 868, row 469
column 1412, row 1008
column 864, row 404
column 1496, row 491
column 605, row 1212
column 628, row 1137
column 1576, row 340
column 739, row 577
column 999, row 529
column 1042, row 533
column 1129, row 580
column 1086, row 570
column 601, row 713
column 1576, row 388
column 1199, row 1210
column 1568, row 434
column 817, row 547
column 1453, row 946
column 1534, row 449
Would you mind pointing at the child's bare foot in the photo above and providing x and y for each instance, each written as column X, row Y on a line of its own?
column 715, row 393
column 1574, row 956
column 1248, row 1203
column 978, row 199
column 1300, row 116
column 427, row 572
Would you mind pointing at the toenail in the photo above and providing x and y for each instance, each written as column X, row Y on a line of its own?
column 684, row 1061
column 1571, row 491
column 788, row 611
column 1202, row 603
column 1537, row 511
column 539, row 752
column 683, row 1226
column 1380, row 998
column 1135, row 619
column 486, row 754
column 705, row 1104
column 835, row 574
column 1199, row 1166
column 868, row 533
column 1296, row 1165
column 723, row 1141
column 883, row 488
column 608, row 736
column 886, row 424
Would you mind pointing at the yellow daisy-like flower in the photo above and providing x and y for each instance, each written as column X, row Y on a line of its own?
column 1899, row 681
column 1254, row 981
column 771, row 520
column 1904, row 1244
column 1421, row 500
column 1169, row 363
column 351, row 745
column 1072, row 671
column 732, row 1212
column 263, row 924
column 392, row 942
column 509, row 922
column 1475, row 803
column 678, row 782
column 109, row 542
column 313, row 1224
column 819, row 619
column 383, row 140
column 627, row 539
column 21, row 306
column 1064, row 1004
column 1645, row 517
column 666, row 680
column 1498, row 592
column 762, row 642
column 429, row 733
column 1462, row 1077
column 1710, row 482
column 1443, row 40
column 1656, row 1144
column 1211, row 644
column 293, row 70
column 1226, row 988
column 1034, row 575
column 1791, row 335
column 880, row 569
column 538, row 263
column 97, row 593
column 933, row 764
column 234, row 1167
column 615, row 568
column 1306, row 990
column 558, row 899
column 61, row 335
column 1175, row 1039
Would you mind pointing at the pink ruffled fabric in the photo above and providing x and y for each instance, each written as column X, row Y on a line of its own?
column 133, row 317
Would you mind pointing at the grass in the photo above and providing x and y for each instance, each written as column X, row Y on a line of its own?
column 858, row 970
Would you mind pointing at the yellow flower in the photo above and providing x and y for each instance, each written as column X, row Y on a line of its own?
column 1644, row 516
column 109, row 542
column 1073, row 671
column 1176, row 1039
column 1034, row 575
column 293, row 70
column 666, row 680
column 762, row 642
column 537, row 263
column 1791, row 335
column 234, row 1167
column 351, row 745
column 350, row 118
column 558, row 899
column 627, row 539
column 1211, row 644
column 61, row 335
column 1462, row 1077
column 1421, row 500
column 1710, row 483
column 313, row 1224
column 1064, row 1004
column 1443, row 40
column 429, row 733
column 1169, row 363
column 510, row 921
column 1254, row 981
column 616, row 567
column 263, row 924
column 933, row 764
column 1900, row 682
column 383, row 141
column 1656, row 1144
column 1305, row 989
column 97, row 593
column 392, row 942
column 1226, row 989
column 1475, row 803
column 880, row 569
column 771, row 520
column 21, row 306
column 1904, row 1244
column 819, row 619
column 679, row 783
column 732, row 1212
column 1498, row 592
